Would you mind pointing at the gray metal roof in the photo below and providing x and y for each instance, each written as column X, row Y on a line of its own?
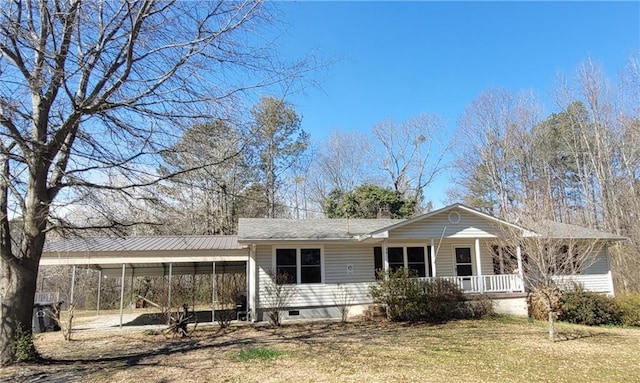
column 564, row 230
column 160, row 243
column 318, row 228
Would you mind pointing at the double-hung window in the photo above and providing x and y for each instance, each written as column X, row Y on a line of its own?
column 299, row 265
column 417, row 259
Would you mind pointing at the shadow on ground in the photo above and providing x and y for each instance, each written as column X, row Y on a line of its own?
column 203, row 316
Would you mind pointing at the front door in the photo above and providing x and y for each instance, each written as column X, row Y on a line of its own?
column 463, row 266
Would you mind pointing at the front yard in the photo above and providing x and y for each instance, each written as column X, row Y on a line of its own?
column 492, row 350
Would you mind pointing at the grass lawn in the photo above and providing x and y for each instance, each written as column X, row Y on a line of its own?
column 492, row 350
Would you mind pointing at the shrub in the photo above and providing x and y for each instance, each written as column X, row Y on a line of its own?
column 411, row 299
column 480, row 307
column 588, row 308
column 537, row 304
column 25, row 349
column 629, row 305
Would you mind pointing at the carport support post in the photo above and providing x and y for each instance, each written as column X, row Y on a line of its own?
column 122, row 294
column 99, row 289
column 213, row 293
column 132, row 300
column 73, row 284
column 169, row 293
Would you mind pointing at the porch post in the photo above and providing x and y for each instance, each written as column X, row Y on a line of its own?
column 99, row 288
column 479, row 267
column 432, row 255
column 519, row 258
column 73, row 284
column 385, row 257
column 520, row 269
column 122, row 294
column 213, row 293
column 253, row 280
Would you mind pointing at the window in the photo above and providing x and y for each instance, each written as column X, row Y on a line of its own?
column 299, row 265
column 413, row 258
column 378, row 266
column 463, row 261
column 415, row 261
column 396, row 258
column 286, row 265
column 310, row 268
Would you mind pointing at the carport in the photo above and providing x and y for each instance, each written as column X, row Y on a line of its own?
column 129, row 257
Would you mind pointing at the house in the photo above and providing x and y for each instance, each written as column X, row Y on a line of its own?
column 324, row 258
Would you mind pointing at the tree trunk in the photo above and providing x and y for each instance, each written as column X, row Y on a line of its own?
column 17, row 292
column 552, row 329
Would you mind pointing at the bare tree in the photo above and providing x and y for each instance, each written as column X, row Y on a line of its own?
column 343, row 299
column 278, row 295
column 412, row 153
column 491, row 138
column 342, row 161
column 95, row 90
column 549, row 259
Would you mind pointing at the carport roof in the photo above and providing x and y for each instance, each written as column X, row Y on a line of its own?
column 134, row 244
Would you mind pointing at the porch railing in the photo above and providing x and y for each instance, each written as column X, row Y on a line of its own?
column 506, row 283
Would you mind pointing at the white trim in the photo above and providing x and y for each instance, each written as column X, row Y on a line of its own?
column 253, row 277
column 140, row 260
column 405, row 255
column 444, row 209
column 385, row 256
column 454, row 217
column 298, row 249
column 479, row 264
column 432, row 256
column 455, row 263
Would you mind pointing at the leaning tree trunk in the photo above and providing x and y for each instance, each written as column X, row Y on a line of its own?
column 17, row 292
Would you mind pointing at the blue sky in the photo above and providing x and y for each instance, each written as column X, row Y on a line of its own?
column 396, row 60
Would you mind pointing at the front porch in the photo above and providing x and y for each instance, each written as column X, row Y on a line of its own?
column 513, row 283
column 486, row 284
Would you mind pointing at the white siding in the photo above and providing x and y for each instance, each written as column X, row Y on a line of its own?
column 338, row 256
column 336, row 259
column 469, row 226
column 600, row 283
column 445, row 259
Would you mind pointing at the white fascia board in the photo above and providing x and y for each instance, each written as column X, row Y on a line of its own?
column 70, row 260
column 294, row 240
